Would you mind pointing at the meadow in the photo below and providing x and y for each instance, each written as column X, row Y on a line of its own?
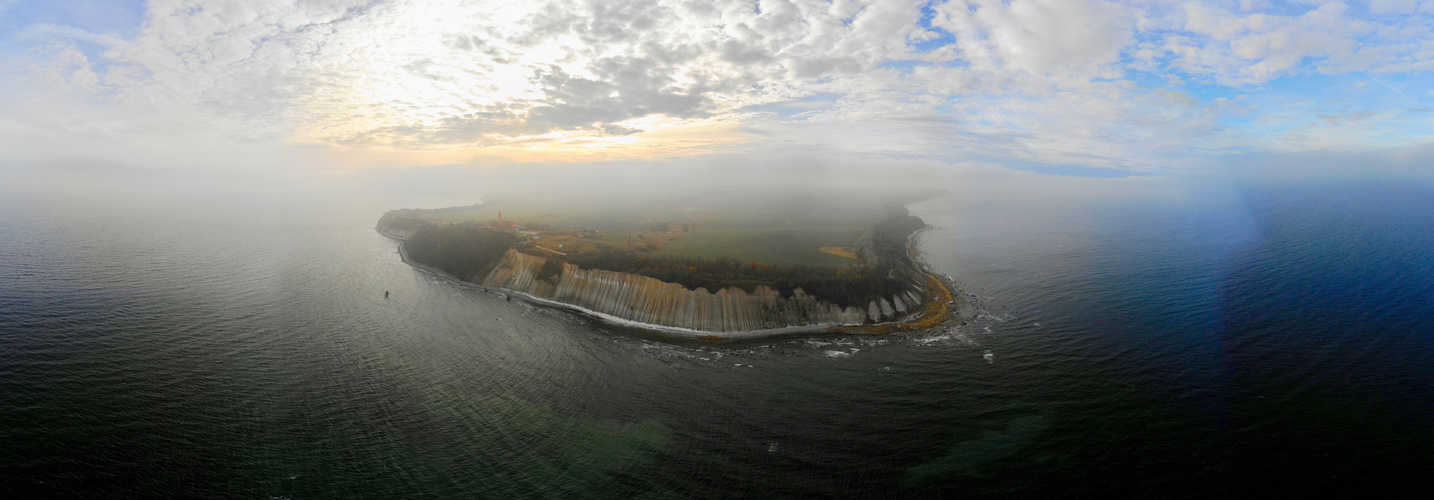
column 768, row 245
column 767, row 230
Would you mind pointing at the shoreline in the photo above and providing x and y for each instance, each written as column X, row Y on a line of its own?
column 937, row 313
column 685, row 333
column 942, row 309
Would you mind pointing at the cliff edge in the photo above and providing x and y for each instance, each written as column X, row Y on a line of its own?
column 906, row 299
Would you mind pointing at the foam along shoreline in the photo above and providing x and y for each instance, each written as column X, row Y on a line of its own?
column 921, row 320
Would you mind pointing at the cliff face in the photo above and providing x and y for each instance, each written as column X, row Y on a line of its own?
column 401, row 234
column 648, row 300
column 399, row 224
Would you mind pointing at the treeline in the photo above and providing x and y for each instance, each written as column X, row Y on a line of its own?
column 401, row 220
column 463, row 250
column 885, row 243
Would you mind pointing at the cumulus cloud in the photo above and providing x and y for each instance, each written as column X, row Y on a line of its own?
column 1039, row 36
column 1235, row 49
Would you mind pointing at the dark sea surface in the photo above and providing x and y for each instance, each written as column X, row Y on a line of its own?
column 1276, row 339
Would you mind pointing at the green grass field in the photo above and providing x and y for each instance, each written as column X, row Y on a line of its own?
column 770, row 245
column 791, row 231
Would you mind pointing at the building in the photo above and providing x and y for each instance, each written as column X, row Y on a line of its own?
column 499, row 223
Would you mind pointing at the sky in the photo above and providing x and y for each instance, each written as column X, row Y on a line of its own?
column 1068, row 87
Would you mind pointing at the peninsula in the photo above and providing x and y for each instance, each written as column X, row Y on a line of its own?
column 695, row 268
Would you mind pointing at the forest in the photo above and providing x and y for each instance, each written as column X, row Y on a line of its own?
column 402, row 220
column 467, row 251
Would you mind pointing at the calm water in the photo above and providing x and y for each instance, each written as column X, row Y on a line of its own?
column 1274, row 339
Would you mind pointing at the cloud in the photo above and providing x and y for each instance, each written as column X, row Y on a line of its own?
column 1079, row 82
column 1393, row 6
column 1347, row 118
column 1038, row 36
column 1238, row 49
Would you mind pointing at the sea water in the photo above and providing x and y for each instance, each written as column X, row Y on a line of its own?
column 1272, row 338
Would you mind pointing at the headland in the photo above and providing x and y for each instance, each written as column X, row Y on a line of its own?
column 706, row 272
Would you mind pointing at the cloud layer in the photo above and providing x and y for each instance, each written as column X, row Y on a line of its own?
column 1129, row 85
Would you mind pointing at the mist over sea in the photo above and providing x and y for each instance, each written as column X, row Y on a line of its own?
column 1274, row 338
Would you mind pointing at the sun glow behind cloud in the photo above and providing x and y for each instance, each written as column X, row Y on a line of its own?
column 454, row 78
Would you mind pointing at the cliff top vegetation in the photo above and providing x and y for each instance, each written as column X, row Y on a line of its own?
column 790, row 229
